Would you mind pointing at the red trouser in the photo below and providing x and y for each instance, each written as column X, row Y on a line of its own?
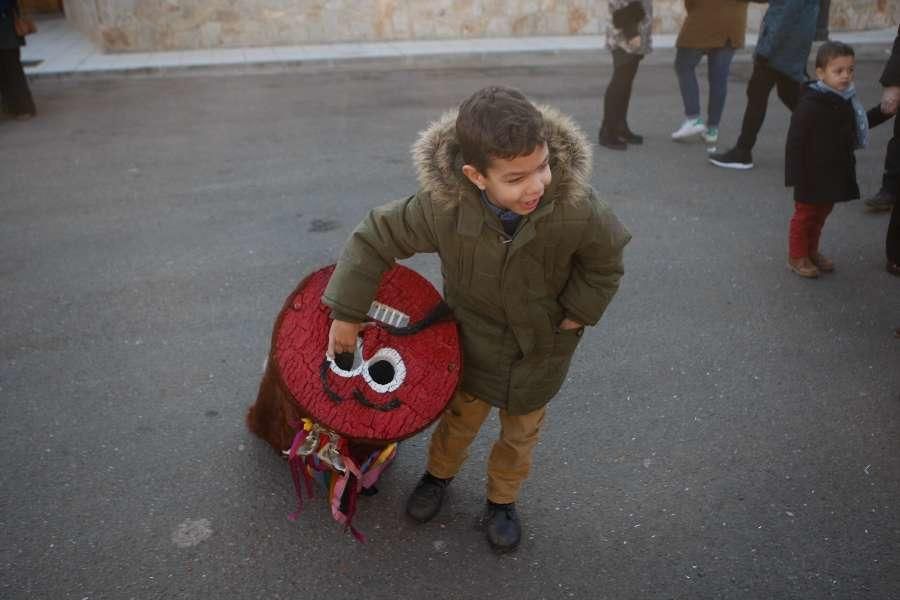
column 806, row 227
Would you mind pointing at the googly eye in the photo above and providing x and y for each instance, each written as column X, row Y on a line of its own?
column 357, row 366
column 384, row 371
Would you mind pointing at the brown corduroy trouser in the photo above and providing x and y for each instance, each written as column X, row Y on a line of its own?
column 510, row 458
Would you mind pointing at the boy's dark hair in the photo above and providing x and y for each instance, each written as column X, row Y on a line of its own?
column 830, row 51
column 497, row 122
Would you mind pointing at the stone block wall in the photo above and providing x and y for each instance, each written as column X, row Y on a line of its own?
column 154, row 25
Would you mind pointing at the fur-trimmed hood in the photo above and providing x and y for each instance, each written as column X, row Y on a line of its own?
column 439, row 163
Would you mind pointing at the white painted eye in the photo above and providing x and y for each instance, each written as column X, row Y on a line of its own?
column 354, row 370
column 385, row 371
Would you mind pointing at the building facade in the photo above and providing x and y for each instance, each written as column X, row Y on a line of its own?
column 157, row 25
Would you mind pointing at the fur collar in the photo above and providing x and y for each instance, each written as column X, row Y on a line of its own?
column 439, row 163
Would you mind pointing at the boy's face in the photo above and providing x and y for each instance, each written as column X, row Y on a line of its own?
column 516, row 184
column 838, row 73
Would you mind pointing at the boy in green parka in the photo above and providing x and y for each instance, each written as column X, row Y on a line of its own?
column 529, row 255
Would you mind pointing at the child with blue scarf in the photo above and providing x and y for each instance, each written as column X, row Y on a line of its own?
column 827, row 126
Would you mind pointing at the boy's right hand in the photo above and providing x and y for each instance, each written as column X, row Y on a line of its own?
column 342, row 337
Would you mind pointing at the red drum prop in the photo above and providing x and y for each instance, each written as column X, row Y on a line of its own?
column 339, row 421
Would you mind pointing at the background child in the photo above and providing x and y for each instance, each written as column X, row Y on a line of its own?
column 529, row 255
column 828, row 124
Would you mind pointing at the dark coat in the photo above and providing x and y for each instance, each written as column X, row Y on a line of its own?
column 891, row 75
column 508, row 298
column 819, row 158
column 9, row 40
column 786, row 36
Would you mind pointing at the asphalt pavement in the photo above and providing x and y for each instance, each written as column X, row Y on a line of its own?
column 729, row 430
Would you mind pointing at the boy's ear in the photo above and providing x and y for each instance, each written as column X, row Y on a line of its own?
column 473, row 175
column 820, row 73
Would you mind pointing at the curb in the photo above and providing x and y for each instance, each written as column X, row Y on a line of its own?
column 452, row 60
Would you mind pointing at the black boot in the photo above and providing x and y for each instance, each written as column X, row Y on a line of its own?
column 629, row 136
column 502, row 525
column 425, row 501
column 606, row 137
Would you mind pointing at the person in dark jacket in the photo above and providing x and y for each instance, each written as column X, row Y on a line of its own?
column 785, row 38
column 887, row 196
column 828, row 124
column 14, row 92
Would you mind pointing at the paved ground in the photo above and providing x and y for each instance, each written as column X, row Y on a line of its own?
column 728, row 431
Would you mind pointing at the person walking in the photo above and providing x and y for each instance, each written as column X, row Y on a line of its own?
column 890, row 101
column 715, row 29
column 628, row 37
column 14, row 92
column 886, row 197
column 785, row 38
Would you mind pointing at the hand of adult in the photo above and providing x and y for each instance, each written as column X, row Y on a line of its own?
column 890, row 100
column 634, row 43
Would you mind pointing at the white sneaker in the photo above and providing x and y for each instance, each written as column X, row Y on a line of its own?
column 710, row 135
column 689, row 128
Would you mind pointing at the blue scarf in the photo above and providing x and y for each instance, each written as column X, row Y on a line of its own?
column 862, row 122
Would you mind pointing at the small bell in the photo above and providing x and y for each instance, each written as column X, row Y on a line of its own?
column 310, row 444
column 330, row 454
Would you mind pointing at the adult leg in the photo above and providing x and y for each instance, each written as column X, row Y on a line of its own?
column 615, row 100
column 13, row 84
column 633, row 62
column 719, row 65
column 892, row 242
column 762, row 80
column 686, row 61
column 887, row 195
column 891, row 177
column 788, row 90
column 822, row 22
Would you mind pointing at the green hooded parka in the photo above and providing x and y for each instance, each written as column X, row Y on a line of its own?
column 565, row 260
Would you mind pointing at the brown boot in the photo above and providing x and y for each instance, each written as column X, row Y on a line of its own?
column 823, row 263
column 803, row 267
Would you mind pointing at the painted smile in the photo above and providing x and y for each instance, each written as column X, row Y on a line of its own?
column 360, row 398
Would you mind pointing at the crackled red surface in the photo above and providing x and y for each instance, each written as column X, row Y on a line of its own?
column 431, row 359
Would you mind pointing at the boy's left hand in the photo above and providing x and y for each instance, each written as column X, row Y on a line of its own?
column 568, row 323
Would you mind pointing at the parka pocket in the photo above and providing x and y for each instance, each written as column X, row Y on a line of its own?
column 565, row 341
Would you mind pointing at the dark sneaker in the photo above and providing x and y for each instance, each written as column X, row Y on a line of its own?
column 425, row 501
column 502, row 525
column 611, row 140
column 736, row 158
column 881, row 201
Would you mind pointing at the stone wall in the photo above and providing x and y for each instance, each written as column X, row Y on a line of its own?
column 149, row 25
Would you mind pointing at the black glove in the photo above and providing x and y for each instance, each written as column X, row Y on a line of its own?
column 628, row 18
